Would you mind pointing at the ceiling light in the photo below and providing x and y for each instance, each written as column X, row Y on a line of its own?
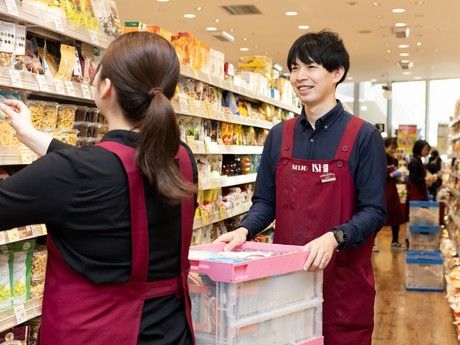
column 278, row 67
column 363, row 108
column 350, row 78
column 199, row 8
column 417, row 78
column 217, row 20
column 244, row 49
column 375, row 3
column 400, row 25
column 419, row 44
column 245, row 38
column 405, row 61
column 227, row 36
column 162, row 0
column 291, row 13
column 419, row 2
column 303, row 27
column 406, row 72
column 403, row 54
column 403, row 46
column 373, row 80
column 398, row 10
column 388, row 51
column 231, row 30
column 211, row 29
column 189, row 15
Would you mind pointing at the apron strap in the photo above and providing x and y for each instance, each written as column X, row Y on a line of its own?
column 348, row 138
column 288, row 137
column 139, row 227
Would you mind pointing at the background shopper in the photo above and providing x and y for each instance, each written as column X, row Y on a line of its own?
column 119, row 215
column 417, row 182
column 395, row 210
column 323, row 175
column 434, row 166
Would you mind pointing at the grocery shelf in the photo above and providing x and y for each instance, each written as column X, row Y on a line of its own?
column 216, row 149
column 48, row 86
column 51, row 22
column 206, row 113
column 221, row 215
column 15, row 315
column 16, row 155
column 226, row 181
column 228, row 85
column 22, row 233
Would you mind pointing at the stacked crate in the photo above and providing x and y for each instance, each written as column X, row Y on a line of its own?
column 424, row 264
column 241, row 300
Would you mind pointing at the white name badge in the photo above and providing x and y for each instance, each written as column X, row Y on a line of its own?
column 326, row 178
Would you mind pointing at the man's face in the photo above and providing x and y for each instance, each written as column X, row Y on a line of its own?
column 312, row 83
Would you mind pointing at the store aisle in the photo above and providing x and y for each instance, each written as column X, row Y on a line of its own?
column 403, row 317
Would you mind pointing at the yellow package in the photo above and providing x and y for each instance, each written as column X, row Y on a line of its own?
column 67, row 62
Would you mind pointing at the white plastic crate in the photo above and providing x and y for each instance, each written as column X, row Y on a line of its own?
column 265, row 300
column 424, row 238
column 423, row 213
column 424, row 271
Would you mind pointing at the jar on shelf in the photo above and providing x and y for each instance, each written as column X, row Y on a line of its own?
column 50, row 114
column 92, row 115
column 36, row 112
column 66, row 116
column 82, row 128
column 80, row 114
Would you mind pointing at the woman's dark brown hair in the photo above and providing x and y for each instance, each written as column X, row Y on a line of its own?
column 144, row 69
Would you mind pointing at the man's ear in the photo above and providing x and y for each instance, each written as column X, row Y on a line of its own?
column 338, row 74
column 105, row 88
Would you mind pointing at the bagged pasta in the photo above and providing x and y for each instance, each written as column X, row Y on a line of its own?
column 20, row 268
column 107, row 15
column 67, row 62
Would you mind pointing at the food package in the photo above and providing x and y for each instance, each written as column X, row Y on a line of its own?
column 36, row 110
column 18, row 335
column 107, row 15
column 230, row 101
column 89, row 62
column 39, row 258
column 77, row 75
column 237, row 134
column 67, row 62
column 184, row 43
column 156, row 29
column 258, row 64
column 249, row 136
column 20, row 268
column 226, row 132
column 7, row 43
column 20, row 48
column 81, row 13
column 217, row 63
column 66, row 116
column 50, row 64
column 5, row 285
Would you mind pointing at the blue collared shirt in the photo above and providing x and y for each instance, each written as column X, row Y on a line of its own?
column 367, row 166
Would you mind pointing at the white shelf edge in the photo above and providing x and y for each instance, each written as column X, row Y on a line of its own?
column 12, row 235
column 217, row 217
column 227, row 149
column 8, row 319
column 55, row 23
column 226, row 85
column 226, row 181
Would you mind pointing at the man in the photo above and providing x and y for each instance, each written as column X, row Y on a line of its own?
column 322, row 175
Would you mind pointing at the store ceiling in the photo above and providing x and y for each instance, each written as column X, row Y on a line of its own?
column 365, row 26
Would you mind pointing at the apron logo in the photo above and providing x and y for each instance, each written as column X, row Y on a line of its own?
column 298, row 167
column 320, row 168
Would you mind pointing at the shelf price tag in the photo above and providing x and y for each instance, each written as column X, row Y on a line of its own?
column 13, row 235
column 93, row 36
column 20, row 313
column 59, row 86
column 58, row 24
column 12, row 7
column 16, row 80
column 85, row 91
column 70, row 89
column 42, row 83
column 26, row 157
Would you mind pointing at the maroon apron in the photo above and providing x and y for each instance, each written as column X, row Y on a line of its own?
column 312, row 197
column 77, row 311
column 395, row 210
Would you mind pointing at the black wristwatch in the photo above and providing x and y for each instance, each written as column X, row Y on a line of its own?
column 340, row 237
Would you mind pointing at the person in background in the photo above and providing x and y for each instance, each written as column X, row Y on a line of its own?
column 322, row 176
column 434, row 167
column 119, row 214
column 417, row 182
column 395, row 210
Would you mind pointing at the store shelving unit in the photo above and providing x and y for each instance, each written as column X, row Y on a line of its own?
column 221, row 215
column 20, row 313
column 25, row 233
column 226, row 181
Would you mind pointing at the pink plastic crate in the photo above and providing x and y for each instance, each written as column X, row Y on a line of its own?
column 287, row 259
column 317, row 341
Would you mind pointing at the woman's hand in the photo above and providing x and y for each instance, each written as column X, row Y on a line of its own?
column 19, row 116
column 233, row 238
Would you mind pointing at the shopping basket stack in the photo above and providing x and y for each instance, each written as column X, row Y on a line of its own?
column 256, row 295
column 424, row 263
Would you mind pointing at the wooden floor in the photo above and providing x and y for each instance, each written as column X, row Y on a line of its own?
column 403, row 317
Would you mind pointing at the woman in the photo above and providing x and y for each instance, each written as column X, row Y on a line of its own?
column 434, row 167
column 119, row 214
column 417, row 183
column 395, row 210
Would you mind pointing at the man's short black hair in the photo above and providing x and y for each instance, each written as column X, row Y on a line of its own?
column 325, row 48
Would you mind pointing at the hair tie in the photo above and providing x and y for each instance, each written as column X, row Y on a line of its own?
column 155, row 91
